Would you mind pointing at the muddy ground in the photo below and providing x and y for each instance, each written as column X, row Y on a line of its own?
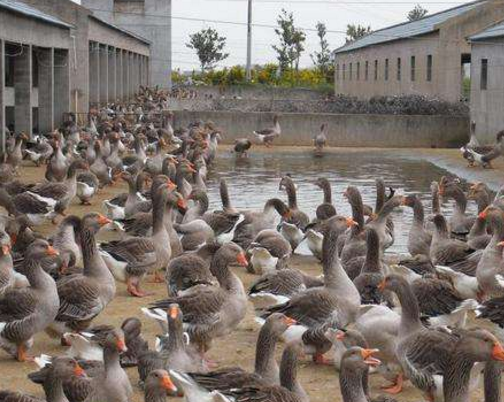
column 238, row 349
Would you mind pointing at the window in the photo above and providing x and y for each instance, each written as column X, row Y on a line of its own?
column 337, row 72
column 366, row 71
column 484, row 74
column 344, row 71
column 429, row 67
column 386, row 69
column 350, row 72
column 358, row 70
column 398, row 69
column 376, row 70
column 413, row 68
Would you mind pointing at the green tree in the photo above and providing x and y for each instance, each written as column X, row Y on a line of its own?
column 417, row 13
column 322, row 59
column 209, row 47
column 355, row 32
column 291, row 44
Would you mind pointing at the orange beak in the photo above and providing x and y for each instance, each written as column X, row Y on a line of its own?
column 381, row 285
column 13, row 238
column 242, row 260
column 103, row 220
column 498, row 352
column 367, row 355
column 6, row 249
column 340, row 335
column 483, row 214
column 167, row 384
column 350, row 222
column 181, row 203
column 171, row 185
column 121, row 345
column 51, row 251
column 78, row 370
column 287, row 215
column 173, row 312
column 290, row 321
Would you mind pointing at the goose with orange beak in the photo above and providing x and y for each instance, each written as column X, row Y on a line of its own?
column 29, row 311
column 337, row 302
column 7, row 273
column 213, row 311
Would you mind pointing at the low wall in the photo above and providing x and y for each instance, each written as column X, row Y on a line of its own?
column 344, row 130
column 257, row 92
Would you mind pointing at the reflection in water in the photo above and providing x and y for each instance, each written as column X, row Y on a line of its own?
column 253, row 181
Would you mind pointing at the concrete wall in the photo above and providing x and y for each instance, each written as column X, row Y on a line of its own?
column 257, row 92
column 344, row 130
column 150, row 19
column 403, row 50
column 487, row 105
column 447, row 45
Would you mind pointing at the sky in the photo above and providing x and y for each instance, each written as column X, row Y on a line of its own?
column 336, row 14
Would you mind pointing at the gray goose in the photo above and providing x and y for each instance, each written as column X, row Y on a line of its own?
column 326, row 209
column 256, row 221
column 53, row 376
column 135, row 343
column 336, row 303
column 7, row 273
column 214, row 311
column 381, row 222
column 109, row 383
column 15, row 155
column 444, row 250
column 58, row 164
column 173, row 353
column 266, row 371
column 289, row 390
column 419, row 239
column 157, row 385
column 355, row 365
column 478, row 237
column 269, row 251
column 241, row 147
column 190, row 269
column 266, row 136
column 28, row 311
column 298, row 217
column 85, row 295
column 132, row 258
column 320, row 140
column 87, row 187
column 372, row 272
column 353, row 244
column 225, row 199
column 460, row 223
column 200, row 199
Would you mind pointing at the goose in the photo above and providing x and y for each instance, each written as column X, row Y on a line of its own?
column 35, row 209
column 58, row 164
column 353, row 245
column 314, row 242
column 15, row 155
column 326, row 209
column 174, row 352
column 28, row 311
column 87, row 187
column 84, row 296
column 444, row 250
column 111, row 382
column 225, row 199
column 241, row 147
column 267, row 136
column 132, row 258
column 39, row 152
column 484, row 157
column 419, row 239
column 194, row 234
column 460, row 223
column 337, row 302
column 200, row 199
column 320, row 140
column 478, row 237
column 381, row 222
column 213, row 311
column 157, row 385
column 298, row 217
column 491, row 264
column 272, row 251
column 7, row 273
column 135, row 342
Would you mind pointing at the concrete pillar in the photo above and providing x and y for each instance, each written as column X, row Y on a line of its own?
column 45, row 58
column 131, row 75
column 147, row 60
column 2, row 92
column 112, row 71
column 23, row 79
column 136, row 82
column 126, row 64
column 62, row 98
column 104, row 75
column 94, row 73
column 119, row 74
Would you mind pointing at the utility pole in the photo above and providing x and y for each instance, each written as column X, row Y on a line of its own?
column 249, row 42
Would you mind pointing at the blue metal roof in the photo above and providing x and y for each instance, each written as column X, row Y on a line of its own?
column 22, row 8
column 495, row 31
column 409, row 29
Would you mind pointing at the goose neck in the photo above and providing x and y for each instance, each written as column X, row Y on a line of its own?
column 351, row 385
column 265, row 363
column 410, row 311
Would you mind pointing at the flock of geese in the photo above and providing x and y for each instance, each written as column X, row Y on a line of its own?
column 404, row 320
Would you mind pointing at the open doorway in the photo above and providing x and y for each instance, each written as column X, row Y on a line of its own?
column 465, row 76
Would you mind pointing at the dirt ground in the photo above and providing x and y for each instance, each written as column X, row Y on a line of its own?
column 238, row 349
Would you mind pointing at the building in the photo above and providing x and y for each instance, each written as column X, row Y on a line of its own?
column 57, row 57
column 487, row 82
column 427, row 57
column 150, row 19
